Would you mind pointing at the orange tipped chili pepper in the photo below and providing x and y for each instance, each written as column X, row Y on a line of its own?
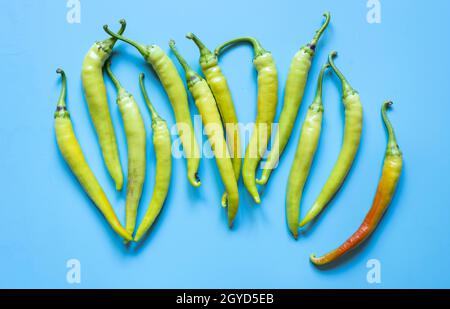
column 390, row 175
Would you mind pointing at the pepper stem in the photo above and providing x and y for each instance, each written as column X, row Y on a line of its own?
column 204, row 51
column 318, row 97
column 112, row 76
column 190, row 74
column 123, row 26
column 257, row 48
column 346, row 88
column 146, row 98
column 392, row 146
column 118, row 36
column 62, row 96
column 321, row 30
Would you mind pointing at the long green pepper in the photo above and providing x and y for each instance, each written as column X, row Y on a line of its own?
column 390, row 175
column 136, row 144
column 97, row 101
column 162, row 145
column 207, row 107
column 350, row 145
column 219, row 87
column 173, row 85
column 266, row 109
column 73, row 155
column 304, row 155
column 293, row 95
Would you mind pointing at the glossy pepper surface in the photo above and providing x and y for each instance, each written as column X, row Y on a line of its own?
column 293, row 95
column 266, row 110
column 95, row 93
column 304, row 155
column 162, row 146
column 219, row 87
column 174, row 87
column 350, row 145
column 73, row 155
column 136, row 146
column 390, row 175
column 206, row 105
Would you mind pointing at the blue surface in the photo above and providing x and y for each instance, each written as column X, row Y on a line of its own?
column 47, row 219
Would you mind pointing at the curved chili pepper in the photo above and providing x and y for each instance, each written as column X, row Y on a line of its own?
column 136, row 144
column 95, row 93
column 267, row 105
column 392, row 168
column 350, row 145
column 304, row 155
column 173, row 85
column 206, row 105
column 293, row 95
column 73, row 155
column 219, row 87
column 162, row 145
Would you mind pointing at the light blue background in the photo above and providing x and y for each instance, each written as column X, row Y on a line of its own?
column 47, row 219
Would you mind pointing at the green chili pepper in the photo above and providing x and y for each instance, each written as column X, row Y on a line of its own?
column 219, row 87
column 306, row 149
column 293, row 95
column 95, row 92
column 350, row 145
column 136, row 143
column 392, row 169
column 173, row 85
column 206, row 105
column 162, row 145
column 73, row 155
column 267, row 104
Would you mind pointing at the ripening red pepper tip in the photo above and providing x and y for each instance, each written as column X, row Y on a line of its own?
column 390, row 175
